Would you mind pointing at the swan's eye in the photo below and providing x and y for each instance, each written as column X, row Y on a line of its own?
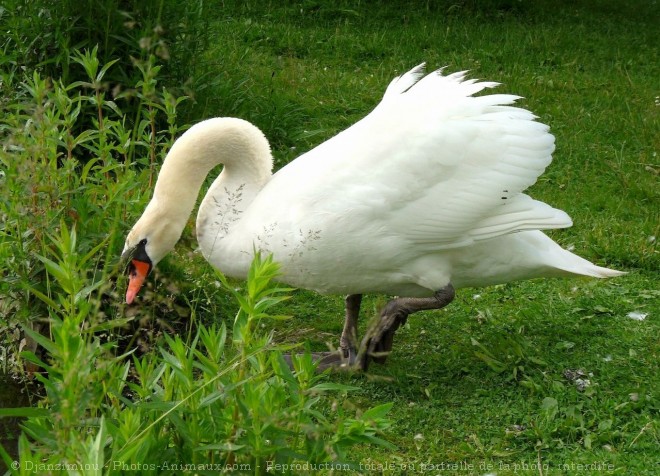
column 140, row 251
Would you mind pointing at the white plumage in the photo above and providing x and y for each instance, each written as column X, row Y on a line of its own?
column 424, row 191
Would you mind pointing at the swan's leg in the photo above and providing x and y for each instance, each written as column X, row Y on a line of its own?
column 377, row 342
column 348, row 341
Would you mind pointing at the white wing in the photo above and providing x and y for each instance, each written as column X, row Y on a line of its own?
column 432, row 164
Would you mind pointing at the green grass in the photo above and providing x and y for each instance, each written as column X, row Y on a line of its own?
column 482, row 383
column 305, row 71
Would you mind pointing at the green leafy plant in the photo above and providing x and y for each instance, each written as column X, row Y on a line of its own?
column 57, row 174
column 194, row 404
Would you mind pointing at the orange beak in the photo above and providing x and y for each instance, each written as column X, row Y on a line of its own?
column 137, row 273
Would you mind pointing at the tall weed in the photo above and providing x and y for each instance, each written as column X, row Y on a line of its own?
column 57, row 175
column 194, row 405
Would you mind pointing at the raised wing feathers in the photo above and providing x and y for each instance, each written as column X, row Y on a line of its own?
column 452, row 167
column 431, row 165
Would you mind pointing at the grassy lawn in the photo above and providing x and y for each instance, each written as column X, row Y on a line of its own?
column 541, row 377
column 307, row 70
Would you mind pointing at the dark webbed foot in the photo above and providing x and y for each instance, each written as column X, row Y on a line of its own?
column 346, row 356
column 379, row 339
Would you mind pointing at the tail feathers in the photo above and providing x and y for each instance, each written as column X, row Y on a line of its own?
column 560, row 262
column 575, row 265
column 599, row 272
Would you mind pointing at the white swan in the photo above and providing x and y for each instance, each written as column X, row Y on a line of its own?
column 422, row 195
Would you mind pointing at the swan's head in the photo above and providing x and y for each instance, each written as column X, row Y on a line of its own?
column 152, row 237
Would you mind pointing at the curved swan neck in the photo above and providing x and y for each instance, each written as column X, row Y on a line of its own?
column 235, row 143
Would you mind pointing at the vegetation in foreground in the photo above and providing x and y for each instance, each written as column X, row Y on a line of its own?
column 526, row 378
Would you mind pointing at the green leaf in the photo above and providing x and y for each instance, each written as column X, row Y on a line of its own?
column 60, row 274
column 378, row 412
column 88, row 166
column 105, row 69
column 334, row 387
column 602, row 310
column 211, row 398
column 82, row 261
column 84, row 293
column 487, row 357
column 226, row 447
column 549, row 407
column 31, row 357
column 44, row 342
column 8, row 460
column 42, row 297
column 112, row 105
column 95, row 456
column 538, row 361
